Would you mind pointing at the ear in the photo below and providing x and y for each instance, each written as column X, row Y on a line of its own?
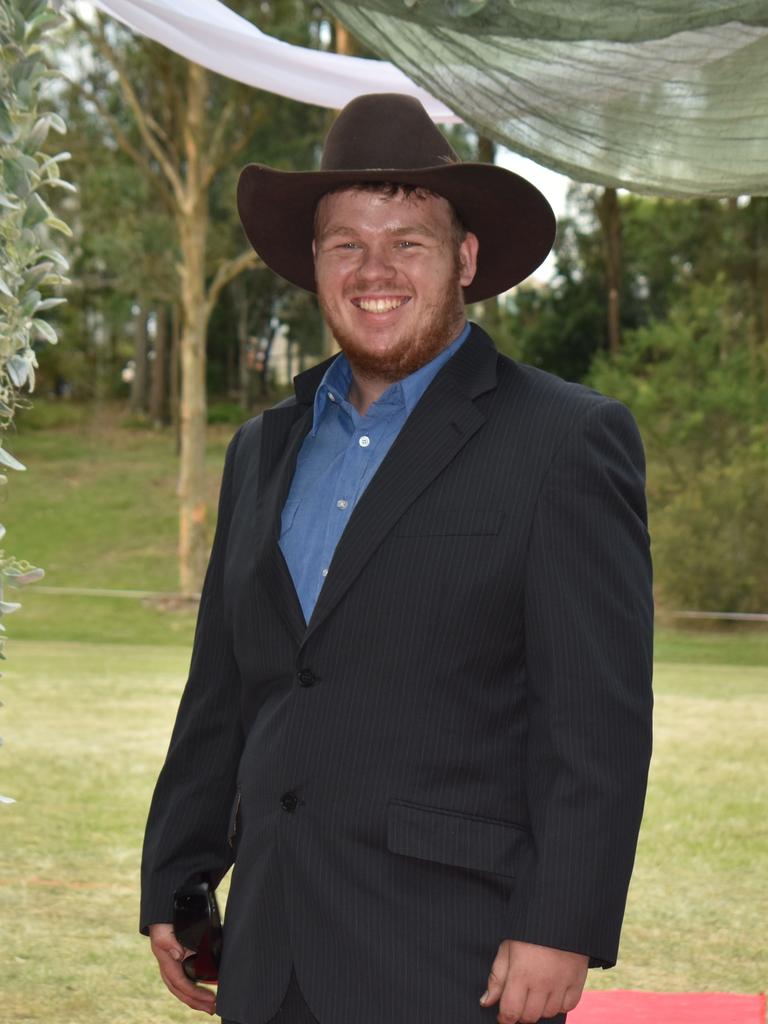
column 314, row 250
column 468, row 259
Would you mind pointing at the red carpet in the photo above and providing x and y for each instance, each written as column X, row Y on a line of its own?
column 668, row 1008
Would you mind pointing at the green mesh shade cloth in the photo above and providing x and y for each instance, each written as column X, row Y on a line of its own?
column 668, row 98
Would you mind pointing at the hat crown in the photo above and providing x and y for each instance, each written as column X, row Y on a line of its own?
column 383, row 131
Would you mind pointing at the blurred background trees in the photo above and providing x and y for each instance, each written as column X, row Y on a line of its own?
column 161, row 142
column 692, row 364
column 662, row 303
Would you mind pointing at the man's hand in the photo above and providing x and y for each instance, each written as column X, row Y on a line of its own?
column 530, row 982
column 169, row 955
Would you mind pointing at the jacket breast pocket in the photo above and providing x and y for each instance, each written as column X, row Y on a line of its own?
column 450, row 522
column 461, row 840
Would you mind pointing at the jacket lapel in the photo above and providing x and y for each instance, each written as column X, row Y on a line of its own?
column 438, row 428
column 282, row 433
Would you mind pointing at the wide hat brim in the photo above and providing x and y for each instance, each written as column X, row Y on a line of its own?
column 514, row 223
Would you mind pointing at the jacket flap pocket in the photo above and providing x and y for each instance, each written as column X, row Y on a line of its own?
column 450, row 522
column 480, row 844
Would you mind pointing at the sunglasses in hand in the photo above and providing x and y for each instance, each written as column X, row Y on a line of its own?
column 197, row 926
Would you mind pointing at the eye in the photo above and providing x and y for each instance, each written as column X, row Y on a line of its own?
column 405, row 243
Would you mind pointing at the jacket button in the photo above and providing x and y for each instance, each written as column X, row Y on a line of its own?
column 306, row 677
column 289, row 802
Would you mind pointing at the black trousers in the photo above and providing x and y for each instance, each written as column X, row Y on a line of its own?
column 295, row 1011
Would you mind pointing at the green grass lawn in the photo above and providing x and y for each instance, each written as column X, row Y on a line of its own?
column 87, row 726
column 97, row 508
column 87, row 723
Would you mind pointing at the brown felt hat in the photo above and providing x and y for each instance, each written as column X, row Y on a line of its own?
column 390, row 137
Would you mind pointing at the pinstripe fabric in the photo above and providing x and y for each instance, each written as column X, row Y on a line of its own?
column 294, row 1010
column 463, row 756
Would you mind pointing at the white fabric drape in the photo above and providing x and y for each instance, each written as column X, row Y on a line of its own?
column 669, row 99
column 210, row 34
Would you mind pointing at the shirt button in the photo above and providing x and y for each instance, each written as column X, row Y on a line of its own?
column 307, row 677
column 324, row 572
column 332, row 396
column 289, row 802
column 342, row 503
column 364, row 441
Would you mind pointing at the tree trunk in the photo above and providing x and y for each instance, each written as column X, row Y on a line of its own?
column 193, row 231
column 173, row 385
column 265, row 366
column 344, row 41
column 157, row 392
column 140, row 346
column 244, row 372
column 760, row 205
column 486, row 150
column 609, row 213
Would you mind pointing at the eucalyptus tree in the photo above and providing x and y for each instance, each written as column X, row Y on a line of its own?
column 185, row 128
column 124, row 254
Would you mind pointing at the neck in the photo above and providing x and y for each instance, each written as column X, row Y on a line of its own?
column 369, row 381
column 364, row 391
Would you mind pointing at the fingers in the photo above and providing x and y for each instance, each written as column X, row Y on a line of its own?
column 530, row 982
column 170, row 953
column 514, row 1000
column 497, row 978
column 527, row 1006
column 571, row 998
column 179, row 985
column 537, row 1005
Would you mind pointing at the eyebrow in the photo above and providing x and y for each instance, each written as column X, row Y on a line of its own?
column 410, row 229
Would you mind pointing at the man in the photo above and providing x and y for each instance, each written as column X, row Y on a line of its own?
column 418, row 711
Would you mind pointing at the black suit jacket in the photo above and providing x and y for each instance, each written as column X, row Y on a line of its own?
column 453, row 751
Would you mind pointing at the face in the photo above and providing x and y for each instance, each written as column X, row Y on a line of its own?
column 390, row 273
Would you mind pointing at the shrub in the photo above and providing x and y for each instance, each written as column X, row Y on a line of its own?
column 698, row 385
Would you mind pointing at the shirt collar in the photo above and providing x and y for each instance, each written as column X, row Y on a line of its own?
column 334, row 386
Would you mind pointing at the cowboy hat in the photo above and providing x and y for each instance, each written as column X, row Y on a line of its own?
column 389, row 137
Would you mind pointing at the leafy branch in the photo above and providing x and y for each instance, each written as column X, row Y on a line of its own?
column 29, row 260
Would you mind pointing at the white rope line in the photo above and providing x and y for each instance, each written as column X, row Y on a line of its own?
column 155, row 595
column 158, row 595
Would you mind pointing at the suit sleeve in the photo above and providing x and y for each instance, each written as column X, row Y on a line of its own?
column 589, row 623
column 187, row 828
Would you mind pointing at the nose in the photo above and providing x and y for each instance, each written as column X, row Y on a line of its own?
column 376, row 263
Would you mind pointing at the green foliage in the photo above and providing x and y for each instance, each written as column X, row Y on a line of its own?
column 693, row 367
column 30, row 263
column 226, row 412
column 698, row 385
column 710, row 538
column 126, row 251
column 667, row 245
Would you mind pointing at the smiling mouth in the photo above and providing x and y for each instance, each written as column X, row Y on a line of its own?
column 382, row 304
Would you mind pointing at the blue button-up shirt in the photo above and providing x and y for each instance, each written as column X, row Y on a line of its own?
column 336, row 462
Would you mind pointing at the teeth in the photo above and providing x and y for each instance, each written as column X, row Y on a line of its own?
column 379, row 305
